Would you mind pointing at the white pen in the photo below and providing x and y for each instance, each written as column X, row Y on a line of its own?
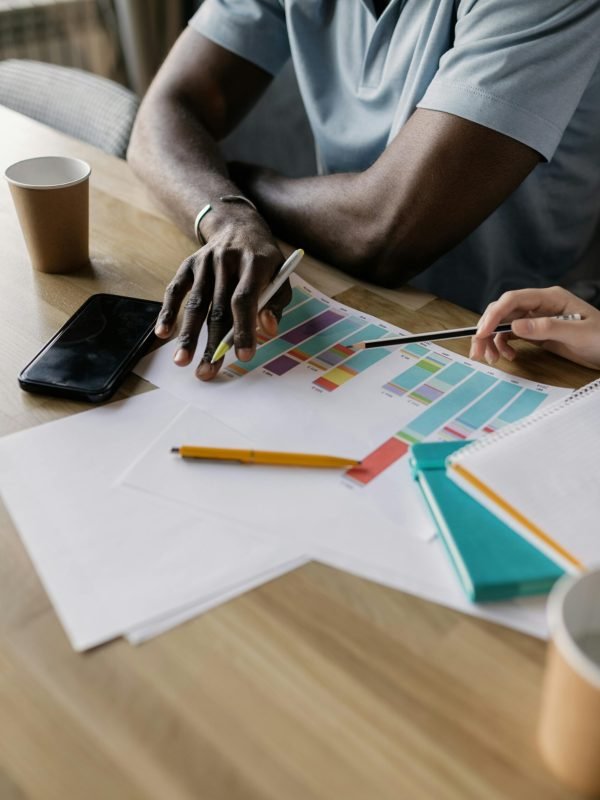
column 288, row 266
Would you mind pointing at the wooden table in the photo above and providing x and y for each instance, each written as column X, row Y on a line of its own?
column 317, row 685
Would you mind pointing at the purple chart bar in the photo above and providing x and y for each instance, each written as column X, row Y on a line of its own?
column 312, row 326
column 284, row 363
column 281, row 365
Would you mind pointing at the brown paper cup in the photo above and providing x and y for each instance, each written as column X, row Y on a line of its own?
column 569, row 727
column 51, row 195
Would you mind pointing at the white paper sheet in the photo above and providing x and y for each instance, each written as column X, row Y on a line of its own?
column 295, row 506
column 110, row 558
column 307, row 391
column 164, row 623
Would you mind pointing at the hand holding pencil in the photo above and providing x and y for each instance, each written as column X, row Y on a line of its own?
column 538, row 316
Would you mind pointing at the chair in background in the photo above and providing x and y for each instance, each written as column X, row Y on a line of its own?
column 88, row 107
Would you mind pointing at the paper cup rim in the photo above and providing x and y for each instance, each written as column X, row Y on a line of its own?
column 43, row 186
column 561, row 635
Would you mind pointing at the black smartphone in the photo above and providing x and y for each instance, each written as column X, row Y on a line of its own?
column 94, row 350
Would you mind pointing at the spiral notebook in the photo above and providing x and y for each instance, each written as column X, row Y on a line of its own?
column 491, row 561
column 541, row 476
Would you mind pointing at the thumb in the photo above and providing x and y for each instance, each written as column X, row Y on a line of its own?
column 541, row 329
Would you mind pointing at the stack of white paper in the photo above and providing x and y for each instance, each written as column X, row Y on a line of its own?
column 113, row 561
column 129, row 539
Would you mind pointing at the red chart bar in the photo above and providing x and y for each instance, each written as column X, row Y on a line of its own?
column 378, row 461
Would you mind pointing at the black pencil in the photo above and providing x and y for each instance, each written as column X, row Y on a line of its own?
column 434, row 336
column 431, row 336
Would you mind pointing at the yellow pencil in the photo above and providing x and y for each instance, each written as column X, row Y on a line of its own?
column 265, row 457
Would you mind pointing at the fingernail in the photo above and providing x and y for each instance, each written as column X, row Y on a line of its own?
column 525, row 326
column 205, row 370
column 245, row 354
column 471, row 351
column 161, row 329
column 180, row 356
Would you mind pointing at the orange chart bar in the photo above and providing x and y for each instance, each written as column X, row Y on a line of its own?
column 378, row 461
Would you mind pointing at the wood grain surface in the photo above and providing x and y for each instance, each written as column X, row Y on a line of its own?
column 316, row 686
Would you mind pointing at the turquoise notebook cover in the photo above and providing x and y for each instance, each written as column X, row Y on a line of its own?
column 492, row 561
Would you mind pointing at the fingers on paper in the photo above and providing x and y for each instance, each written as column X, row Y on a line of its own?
column 174, row 293
column 271, row 314
column 220, row 317
column 195, row 310
column 244, row 304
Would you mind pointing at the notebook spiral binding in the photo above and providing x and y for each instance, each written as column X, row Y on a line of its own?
column 503, row 433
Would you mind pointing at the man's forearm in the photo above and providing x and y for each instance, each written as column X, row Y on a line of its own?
column 330, row 216
column 174, row 154
column 439, row 179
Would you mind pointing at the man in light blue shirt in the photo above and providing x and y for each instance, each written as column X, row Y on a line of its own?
column 458, row 144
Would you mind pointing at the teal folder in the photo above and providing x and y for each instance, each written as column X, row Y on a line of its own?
column 491, row 560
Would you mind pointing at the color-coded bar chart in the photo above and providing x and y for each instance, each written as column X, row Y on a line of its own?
column 417, row 374
column 433, row 394
column 524, row 404
column 284, row 363
column 311, row 346
column 343, row 349
column 356, row 362
column 465, row 425
column 291, row 320
column 439, row 384
column 435, row 416
column 298, row 296
column 423, row 426
column 323, row 341
column 311, row 329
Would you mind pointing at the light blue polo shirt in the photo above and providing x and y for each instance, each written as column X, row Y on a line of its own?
column 529, row 69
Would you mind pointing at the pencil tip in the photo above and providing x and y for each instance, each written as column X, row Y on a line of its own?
column 174, row 449
column 219, row 352
column 358, row 346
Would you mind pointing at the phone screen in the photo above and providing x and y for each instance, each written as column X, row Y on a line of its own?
column 98, row 344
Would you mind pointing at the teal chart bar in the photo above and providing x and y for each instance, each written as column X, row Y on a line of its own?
column 464, row 394
column 480, row 412
column 524, row 404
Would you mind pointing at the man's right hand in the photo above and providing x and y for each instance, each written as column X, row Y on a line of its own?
column 223, row 281
column 532, row 313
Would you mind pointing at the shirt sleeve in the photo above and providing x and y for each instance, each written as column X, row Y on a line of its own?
column 519, row 67
column 253, row 29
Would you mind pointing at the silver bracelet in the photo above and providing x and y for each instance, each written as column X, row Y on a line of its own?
column 226, row 198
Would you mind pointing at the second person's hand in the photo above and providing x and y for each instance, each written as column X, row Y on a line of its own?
column 532, row 313
column 223, row 280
